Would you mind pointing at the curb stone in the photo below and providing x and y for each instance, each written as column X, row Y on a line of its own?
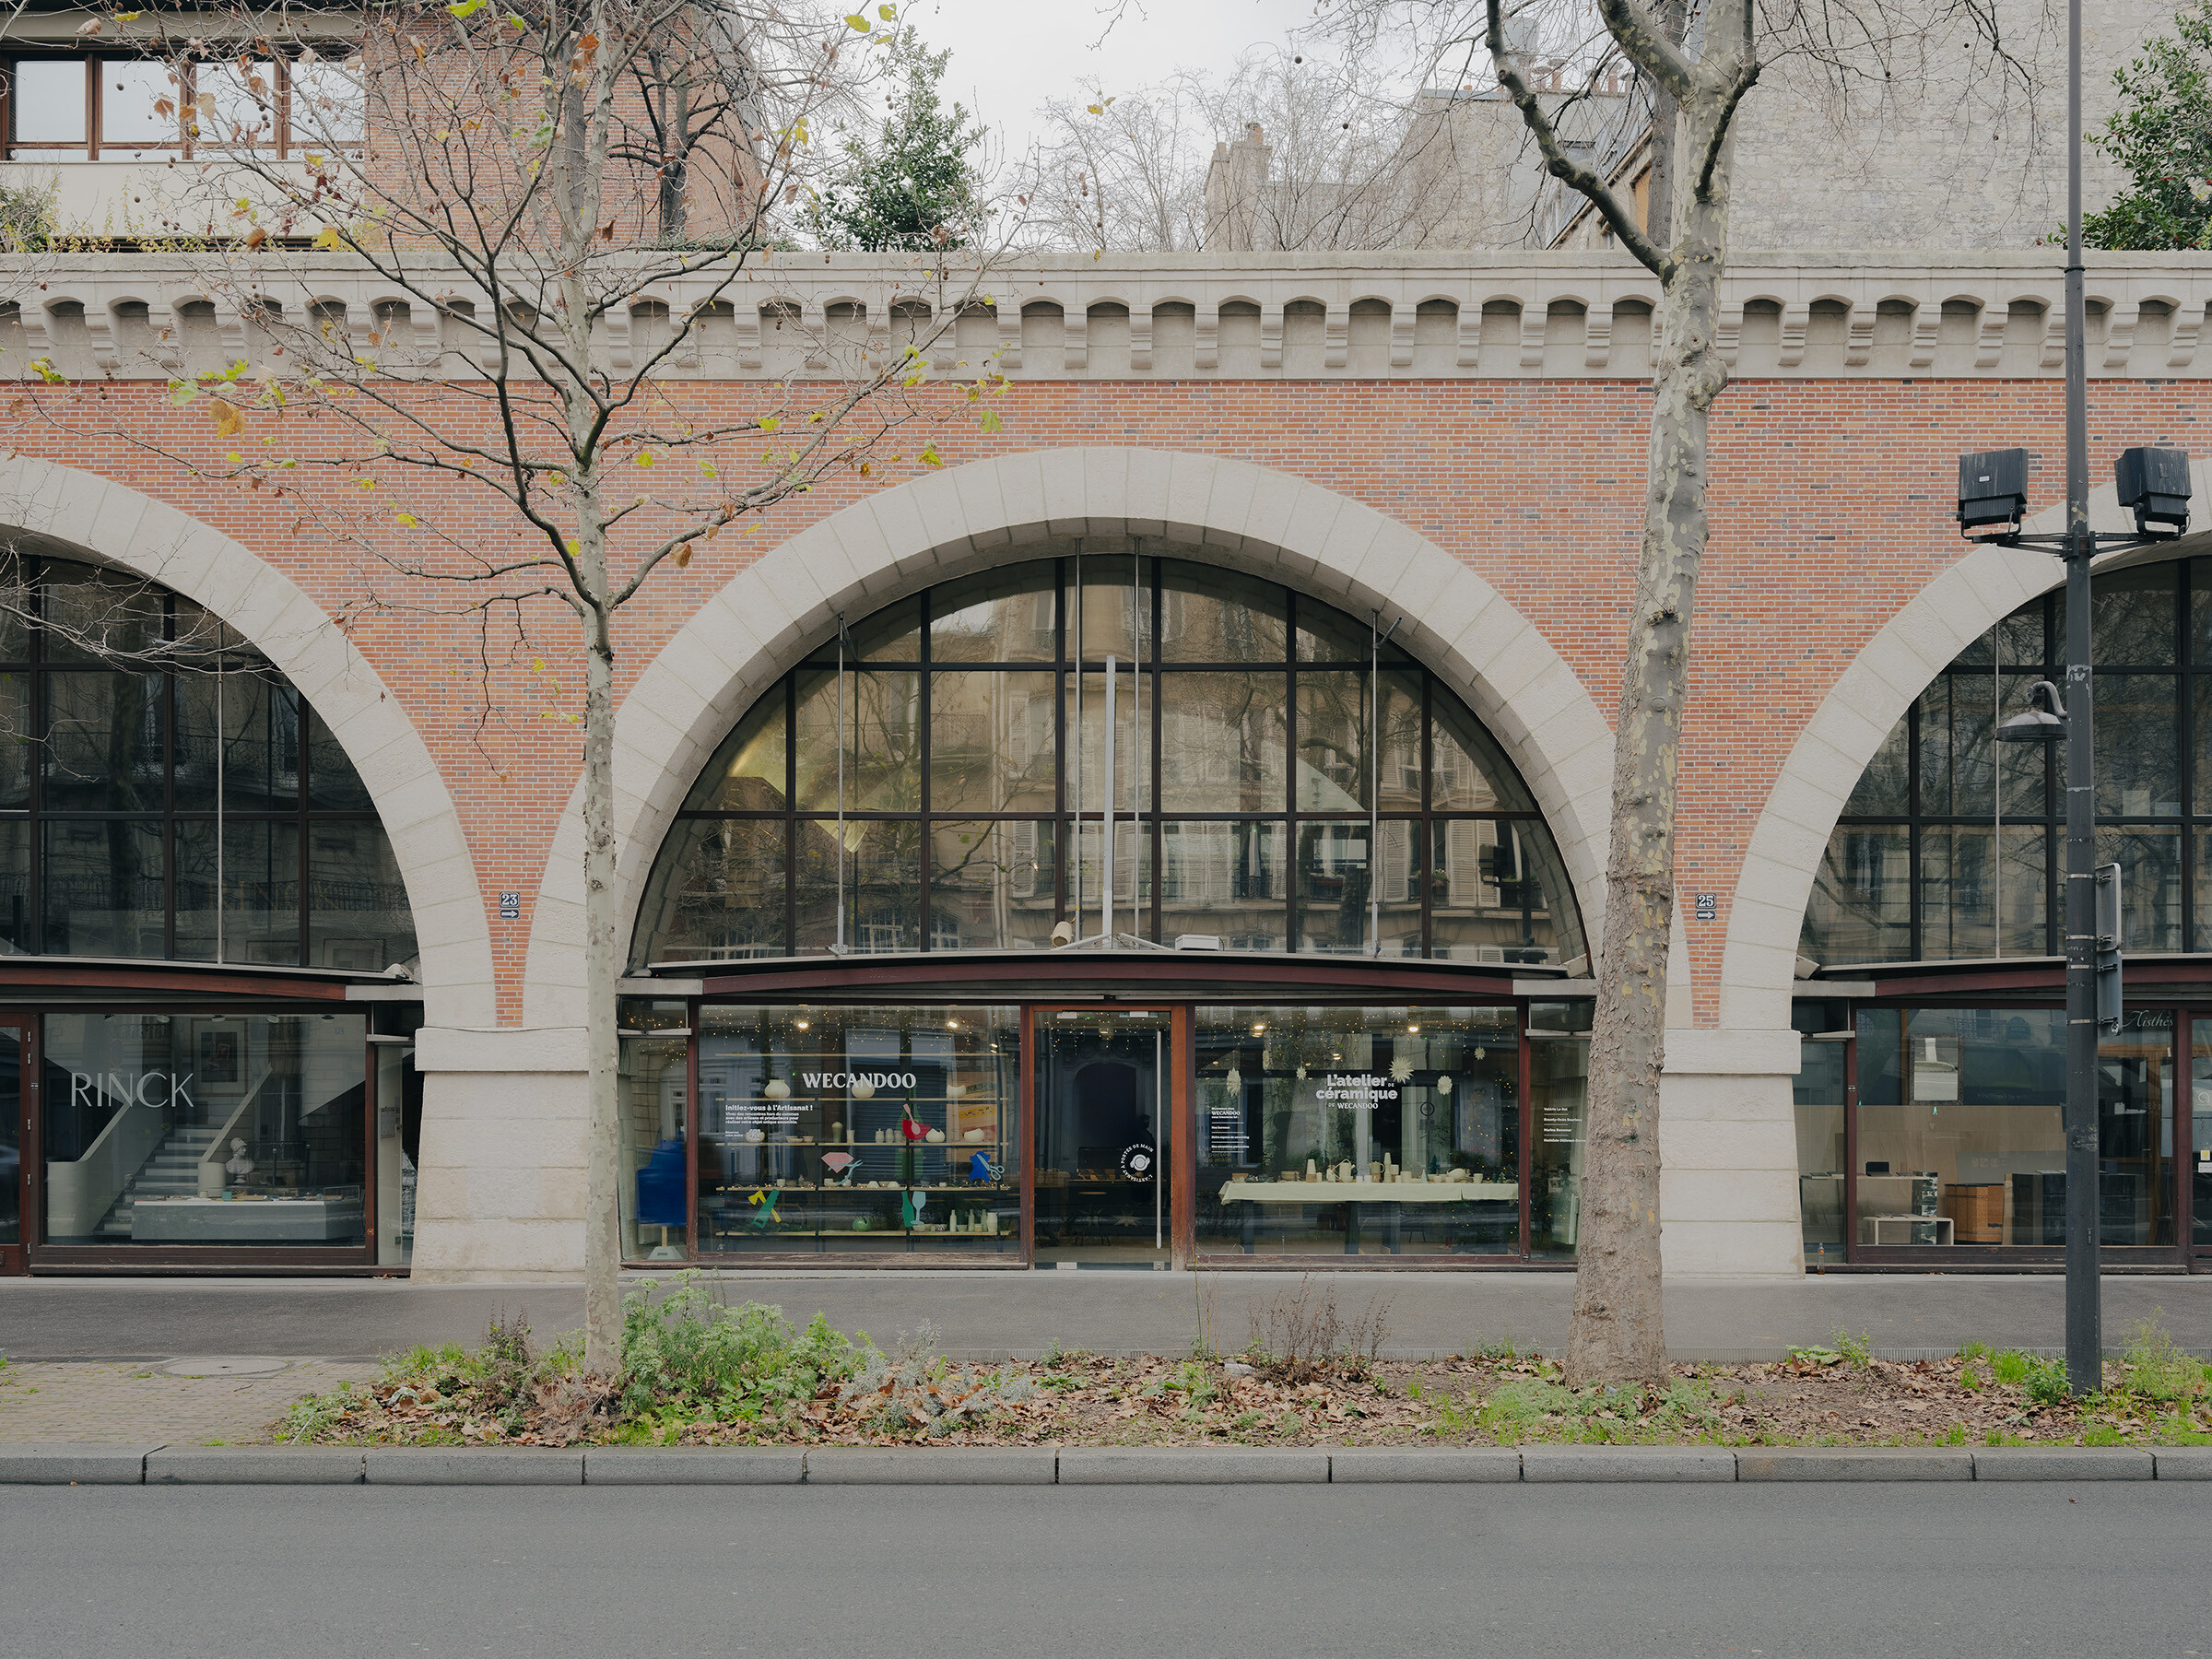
column 74, row 1463
column 1628, row 1463
column 693, row 1465
column 475, row 1466
column 1190, row 1466
column 255, row 1466
column 2063, row 1463
column 1853, row 1463
column 889, row 1465
column 1350, row 1464
column 2183, row 1463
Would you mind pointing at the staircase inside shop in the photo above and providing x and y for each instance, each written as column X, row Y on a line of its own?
column 173, row 1171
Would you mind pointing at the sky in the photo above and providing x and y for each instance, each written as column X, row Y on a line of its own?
column 1009, row 58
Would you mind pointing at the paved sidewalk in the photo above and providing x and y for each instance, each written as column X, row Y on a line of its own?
column 993, row 1315
column 95, row 1402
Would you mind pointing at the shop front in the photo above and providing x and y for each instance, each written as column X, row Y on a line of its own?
column 1931, row 1091
column 1108, row 909
column 1104, row 1128
column 207, row 1005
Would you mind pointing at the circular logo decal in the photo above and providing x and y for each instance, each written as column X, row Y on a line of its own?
column 1137, row 1162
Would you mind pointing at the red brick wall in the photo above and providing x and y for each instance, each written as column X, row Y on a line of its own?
column 1831, row 509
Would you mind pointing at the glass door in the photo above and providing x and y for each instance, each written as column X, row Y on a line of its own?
column 12, row 1120
column 1103, row 1140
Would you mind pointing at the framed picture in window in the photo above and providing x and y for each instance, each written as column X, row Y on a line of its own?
column 222, row 1060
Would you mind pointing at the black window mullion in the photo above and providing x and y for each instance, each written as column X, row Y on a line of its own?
column 35, row 570
column 1152, row 792
column 168, row 785
column 1914, row 931
column 922, row 712
column 2185, row 713
column 1063, row 831
column 1422, row 833
column 791, row 809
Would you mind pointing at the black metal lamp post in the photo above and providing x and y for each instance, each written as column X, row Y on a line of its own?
column 1993, row 491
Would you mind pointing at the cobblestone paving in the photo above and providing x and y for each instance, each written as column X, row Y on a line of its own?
column 85, row 1401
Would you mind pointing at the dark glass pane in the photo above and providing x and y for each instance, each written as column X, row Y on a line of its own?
column 1002, row 616
column 332, row 784
column 716, row 894
column 260, row 748
column 2200, row 622
column 1861, row 909
column 1956, row 750
column 15, row 741
column 260, row 888
column 1221, row 741
column 1112, row 613
column 1325, row 635
column 2138, row 745
column 358, row 914
column 2018, row 639
column 1472, row 772
column 1336, row 767
column 1131, row 739
column 2150, row 884
column 890, row 635
column 154, row 1120
column 103, row 887
column 882, row 748
column 11, row 1135
column 14, row 884
column 1226, row 880
column 1132, row 879
column 1497, row 894
column 15, row 601
column 1215, row 616
column 2024, row 769
column 2132, row 617
column 1332, row 887
column 882, row 886
column 1957, row 892
column 196, row 886
column 104, row 749
column 2203, row 861
column 990, row 886
column 1884, row 788
column 1959, row 1140
column 91, row 615
column 746, row 774
column 992, row 741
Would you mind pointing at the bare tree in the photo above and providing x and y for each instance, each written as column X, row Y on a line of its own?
column 1700, row 75
column 566, row 201
column 1289, row 154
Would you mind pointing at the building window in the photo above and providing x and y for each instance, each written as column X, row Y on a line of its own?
column 1951, row 845
column 953, row 766
column 75, row 107
column 165, row 792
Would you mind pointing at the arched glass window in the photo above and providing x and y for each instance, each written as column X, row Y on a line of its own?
column 1915, row 871
column 165, row 792
column 960, row 809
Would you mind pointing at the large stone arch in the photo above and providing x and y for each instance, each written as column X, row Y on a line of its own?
column 1759, row 961
column 132, row 531
column 1269, row 524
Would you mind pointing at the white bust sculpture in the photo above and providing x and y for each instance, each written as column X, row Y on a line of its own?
column 240, row 1166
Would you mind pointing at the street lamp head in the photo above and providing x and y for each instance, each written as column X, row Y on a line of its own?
column 1992, row 490
column 2037, row 725
column 2155, row 482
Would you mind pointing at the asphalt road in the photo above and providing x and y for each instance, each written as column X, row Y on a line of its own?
column 993, row 1315
column 977, row 1572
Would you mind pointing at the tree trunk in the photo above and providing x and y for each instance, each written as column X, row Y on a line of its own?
column 1617, row 1334
column 602, row 976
